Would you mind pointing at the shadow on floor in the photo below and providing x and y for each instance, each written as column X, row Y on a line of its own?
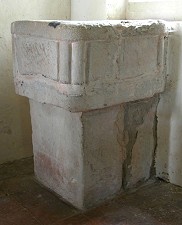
column 24, row 202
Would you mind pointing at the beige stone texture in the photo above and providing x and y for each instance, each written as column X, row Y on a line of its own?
column 93, row 90
column 106, row 63
column 89, row 157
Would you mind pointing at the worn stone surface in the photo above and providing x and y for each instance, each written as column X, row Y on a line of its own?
column 74, row 155
column 91, row 156
column 81, row 66
column 103, row 155
column 88, row 142
column 37, row 56
column 139, row 138
column 58, row 150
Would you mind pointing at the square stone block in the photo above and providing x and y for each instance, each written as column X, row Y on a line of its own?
column 82, row 66
column 91, row 156
column 90, row 139
column 77, row 155
column 37, row 56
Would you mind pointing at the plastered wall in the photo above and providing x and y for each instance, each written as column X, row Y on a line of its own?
column 167, row 10
column 98, row 9
column 15, row 125
column 169, row 113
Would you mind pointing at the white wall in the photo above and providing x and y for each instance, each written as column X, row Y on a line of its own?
column 88, row 9
column 169, row 149
column 15, row 126
column 149, row 9
column 98, row 9
column 169, row 113
column 116, row 9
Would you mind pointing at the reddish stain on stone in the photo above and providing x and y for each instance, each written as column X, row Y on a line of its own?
column 50, row 167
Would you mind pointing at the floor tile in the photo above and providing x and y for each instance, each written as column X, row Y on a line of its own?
column 23, row 201
column 41, row 203
column 75, row 220
column 126, row 215
column 12, row 213
column 47, row 207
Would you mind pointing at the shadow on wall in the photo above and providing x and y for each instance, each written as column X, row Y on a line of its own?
column 15, row 126
column 169, row 149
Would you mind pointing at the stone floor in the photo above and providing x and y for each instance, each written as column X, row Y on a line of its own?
column 24, row 202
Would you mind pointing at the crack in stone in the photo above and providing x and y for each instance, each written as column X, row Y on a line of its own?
column 134, row 116
column 155, row 124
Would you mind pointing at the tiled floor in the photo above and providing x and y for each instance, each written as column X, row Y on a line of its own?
column 24, row 202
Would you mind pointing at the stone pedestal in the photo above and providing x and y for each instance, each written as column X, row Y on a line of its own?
column 77, row 154
column 88, row 141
